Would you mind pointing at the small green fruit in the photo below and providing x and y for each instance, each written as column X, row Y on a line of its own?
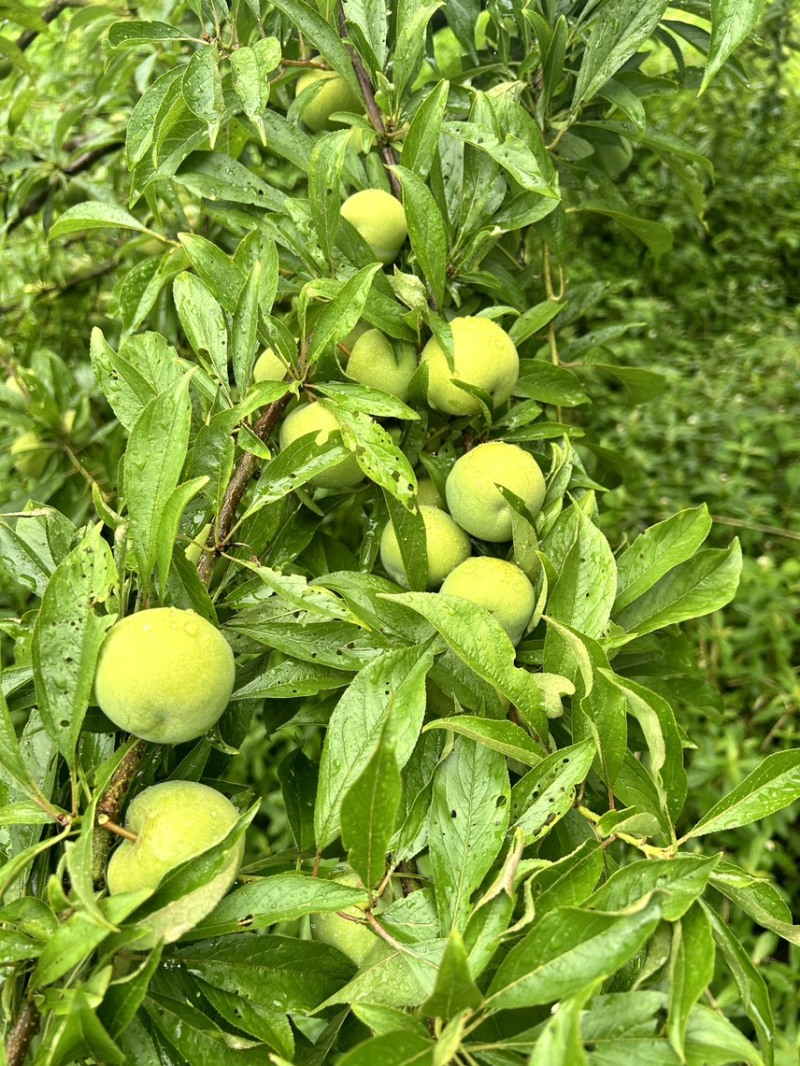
column 334, row 95
column 317, row 417
column 174, row 822
column 30, row 458
column 447, row 545
column 376, row 362
column 500, row 587
column 483, row 355
column 473, row 498
column 428, row 495
column 269, row 367
column 351, row 938
column 165, row 675
column 380, row 219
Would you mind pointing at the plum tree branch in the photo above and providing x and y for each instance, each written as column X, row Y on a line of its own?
column 373, row 111
column 110, row 806
column 52, row 11
column 245, row 469
column 24, row 1030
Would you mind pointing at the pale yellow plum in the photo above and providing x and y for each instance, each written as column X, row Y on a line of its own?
column 30, row 457
column 269, row 367
column 354, row 939
column 380, row 219
column 376, row 362
column 317, row 417
column 483, row 355
column 473, row 498
column 173, row 822
column 501, row 587
column 447, row 546
column 334, row 95
column 428, row 495
column 165, row 675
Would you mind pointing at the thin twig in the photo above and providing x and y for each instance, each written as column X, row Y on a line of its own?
column 245, row 469
column 51, row 290
column 24, row 1030
column 26, row 39
column 373, row 111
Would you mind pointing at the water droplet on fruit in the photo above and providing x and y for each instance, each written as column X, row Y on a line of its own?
column 190, row 628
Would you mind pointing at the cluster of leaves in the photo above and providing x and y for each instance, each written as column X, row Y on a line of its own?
column 529, row 805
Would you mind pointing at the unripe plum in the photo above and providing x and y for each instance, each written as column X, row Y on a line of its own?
column 483, row 355
column 334, row 95
column 447, row 545
column 174, row 822
column 473, row 498
column 428, row 495
column 376, row 362
column 311, row 417
column 269, row 367
column 380, row 219
column 501, row 587
column 165, row 675
column 30, row 457
column 353, row 939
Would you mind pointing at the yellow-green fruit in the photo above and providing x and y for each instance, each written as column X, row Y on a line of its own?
column 14, row 386
column 447, row 546
column 30, row 458
column 165, row 675
column 269, row 367
column 335, row 95
column 428, row 494
column 174, row 822
column 472, row 494
column 352, row 938
column 483, row 355
column 500, row 587
column 376, row 362
column 316, row 417
column 380, row 219
column 358, row 330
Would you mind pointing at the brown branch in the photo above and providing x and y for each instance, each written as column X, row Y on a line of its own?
column 373, row 111
column 245, row 469
column 75, row 166
column 110, row 806
column 24, row 1030
column 26, row 39
column 71, row 283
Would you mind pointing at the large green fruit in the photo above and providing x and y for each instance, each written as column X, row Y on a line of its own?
column 174, row 822
column 473, row 498
column 483, row 355
column 30, row 457
column 380, row 219
column 428, row 494
column 447, row 545
column 316, row 417
column 376, row 362
column 165, row 675
column 334, row 95
column 500, row 587
column 269, row 367
column 354, row 939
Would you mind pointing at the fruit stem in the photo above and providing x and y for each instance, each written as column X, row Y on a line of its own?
column 105, row 823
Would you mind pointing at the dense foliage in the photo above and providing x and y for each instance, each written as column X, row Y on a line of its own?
column 565, row 848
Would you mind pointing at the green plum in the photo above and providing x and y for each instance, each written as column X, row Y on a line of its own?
column 377, row 362
column 501, row 587
column 447, row 545
column 380, row 219
column 311, row 417
column 483, row 355
column 473, row 498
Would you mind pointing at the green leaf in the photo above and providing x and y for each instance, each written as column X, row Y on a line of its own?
column 620, row 29
column 422, row 140
column 217, row 176
column 480, row 641
column 549, row 384
column 455, row 989
column 220, row 273
column 511, row 153
column 681, row 881
column 426, row 229
column 277, row 972
column 369, row 813
column 168, row 527
column 547, row 792
column 702, row 584
column 534, row 320
column 141, row 124
column 202, row 89
column 691, row 968
column 711, row 1038
column 324, row 38
column 568, row 949
column 656, row 551
column 560, row 1043
column 409, row 527
column 731, row 22
column 342, row 313
column 132, row 34
column 371, row 24
column 569, row 881
column 244, row 329
column 773, row 785
column 390, row 688
column 400, row 1048
column 67, row 637
column 250, row 67
column 10, row 754
column 282, row 897
column 757, row 897
column 153, row 463
column 324, row 181
column 654, row 234
column 413, row 17
column 499, row 734
column 467, row 824
column 95, row 215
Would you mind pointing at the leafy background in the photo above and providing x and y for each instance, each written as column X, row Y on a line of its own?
column 709, row 302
